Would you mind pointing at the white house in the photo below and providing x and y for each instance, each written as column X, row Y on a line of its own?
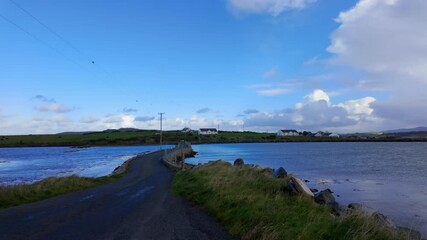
column 186, row 130
column 208, row 131
column 287, row 132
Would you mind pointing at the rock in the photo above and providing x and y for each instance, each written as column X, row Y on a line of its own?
column 290, row 188
column 325, row 197
column 355, row 206
column 382, row 219
column 314, row 190
column 305, row 180
column 280, row 173
column 301, row 187
column 239, row 162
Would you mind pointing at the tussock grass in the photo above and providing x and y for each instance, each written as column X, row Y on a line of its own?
column 250, row 205
column 25, row 193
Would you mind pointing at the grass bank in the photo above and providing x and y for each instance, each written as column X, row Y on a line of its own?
column 50, row 187
column 250, row 205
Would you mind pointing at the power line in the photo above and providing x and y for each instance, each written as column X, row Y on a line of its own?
column 42, row 42
column 50, row 29
column 61, row 38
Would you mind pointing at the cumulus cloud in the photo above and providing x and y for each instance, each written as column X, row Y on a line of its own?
column 387, row 40
column 54, row 108
column 272, row 7
column 317, row 95
column 203, row 110
column 316, row 113
column 144, row 118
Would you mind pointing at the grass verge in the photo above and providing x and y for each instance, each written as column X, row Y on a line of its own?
column 250, row 205
column 26, row 193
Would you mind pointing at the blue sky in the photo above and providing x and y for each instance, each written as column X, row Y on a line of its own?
column 262, row 65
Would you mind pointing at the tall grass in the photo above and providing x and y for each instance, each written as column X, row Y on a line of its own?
column 47, row 188
column 250, row 205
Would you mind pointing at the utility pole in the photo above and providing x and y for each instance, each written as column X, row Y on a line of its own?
column 161, row 121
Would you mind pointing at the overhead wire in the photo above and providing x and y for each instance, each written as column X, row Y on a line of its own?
column 42, row 42
column 72, row 46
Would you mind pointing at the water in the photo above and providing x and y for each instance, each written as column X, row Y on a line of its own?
column 386, row 177
column 27, row 165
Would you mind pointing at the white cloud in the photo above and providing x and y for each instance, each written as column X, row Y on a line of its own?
column 144, row 118
column 387, row 41
column 273, row 7
column 317, row 113
column 89, row 119
column 54, row 108
column 317, row 95
column 272, row 92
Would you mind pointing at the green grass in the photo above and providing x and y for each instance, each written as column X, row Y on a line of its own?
column 150, row 137
column 26, row 193
column 250, row 205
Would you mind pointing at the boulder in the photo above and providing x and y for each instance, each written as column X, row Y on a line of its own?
column 289, row 188
column 239, row 162
column 382, row 219
column 354, row 206
column 280, row 173
column 314, row 190
column 301, row 187
column 325, row 197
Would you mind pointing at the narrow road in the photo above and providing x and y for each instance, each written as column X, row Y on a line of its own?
column 137, row 206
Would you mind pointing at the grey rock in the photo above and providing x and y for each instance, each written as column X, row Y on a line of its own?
column 280, row 173
column 290, row 188
column 239, row 162
column 355, row 206
column 314, row 190
column 325, row 197
column 382, row 219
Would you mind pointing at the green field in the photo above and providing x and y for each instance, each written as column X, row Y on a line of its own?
column 151, row 137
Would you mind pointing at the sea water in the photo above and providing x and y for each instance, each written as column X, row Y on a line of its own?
column 389, row 177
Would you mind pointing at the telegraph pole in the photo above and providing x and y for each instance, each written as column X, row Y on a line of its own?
column 161, row 120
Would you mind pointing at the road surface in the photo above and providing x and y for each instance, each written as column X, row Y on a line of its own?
column 137, row 206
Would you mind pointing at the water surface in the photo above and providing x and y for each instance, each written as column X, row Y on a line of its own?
column 389, row 177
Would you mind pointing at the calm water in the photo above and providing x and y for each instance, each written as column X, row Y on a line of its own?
column 386, row 177
column 26, row 165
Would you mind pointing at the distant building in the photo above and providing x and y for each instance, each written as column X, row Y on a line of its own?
column 208, row 131
column 186, row 130
column 287, row 132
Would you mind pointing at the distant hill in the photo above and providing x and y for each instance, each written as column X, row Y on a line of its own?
column 123, row 130
column 407, row 130
column 75, row 133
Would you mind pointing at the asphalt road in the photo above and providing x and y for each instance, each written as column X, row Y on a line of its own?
column 137, row 206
